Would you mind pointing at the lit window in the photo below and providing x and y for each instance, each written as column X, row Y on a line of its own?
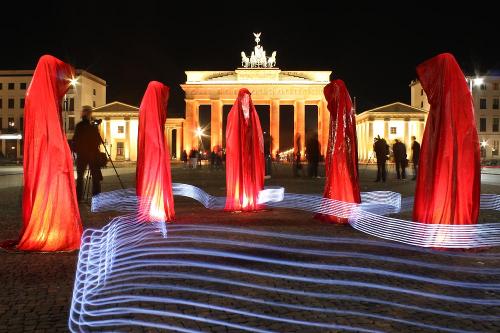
column 495, row 148
column 11, row 123
column 121, row 129
column 119, row 148
column 393, row 130
column 482, row 103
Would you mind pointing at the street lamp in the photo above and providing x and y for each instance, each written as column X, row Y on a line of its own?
column 73, row 82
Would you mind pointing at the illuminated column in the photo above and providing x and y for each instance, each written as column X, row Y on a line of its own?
column 108, row 136
column 18, row 148
column 274, row 125
column 369, row 141
column 325, row 125
column 386, row 128
column 299, row 125
column 191, row 123
column 127, row 138
column 407, row 136
column 216, row 124
column 421, row 130
column 178, row 143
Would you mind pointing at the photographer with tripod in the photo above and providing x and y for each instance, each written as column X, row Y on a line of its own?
column 86, row 142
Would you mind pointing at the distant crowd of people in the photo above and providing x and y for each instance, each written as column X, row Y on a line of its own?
column 382, row 152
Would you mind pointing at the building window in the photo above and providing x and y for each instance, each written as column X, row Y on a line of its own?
column 10, row 103
column 483, row 86
column 10, row 86
column 1, row 86
column 496, row 124
column 93, row 104
column 496, row 103
column 422, row 104
column 21, row 123
column 495, row 86
column 482, row 103
column 93, row 91
column 1, row 103
column 71, row 123
column 393, row 130
column 22, row 85
column 71, row 104
column 121, row 129
column 495, row 148
column 482, row 124
column 21, row 103
column 483, row 152
column 421, row 92
column 1, row 123
column 120, row 149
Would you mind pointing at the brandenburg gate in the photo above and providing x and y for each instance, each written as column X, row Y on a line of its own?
column 269, row 86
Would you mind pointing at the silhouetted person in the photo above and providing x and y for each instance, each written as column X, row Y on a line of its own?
column 296, row 165
column 381, row 151
column 184, row 157
column 212, row 158
column 399, row 150
column 86, row 142
column 415, row 155
column 313, row 155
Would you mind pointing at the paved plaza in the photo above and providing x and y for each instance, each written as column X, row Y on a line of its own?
column 36, row 288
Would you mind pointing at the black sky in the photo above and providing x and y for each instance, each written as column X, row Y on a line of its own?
column 374, row 49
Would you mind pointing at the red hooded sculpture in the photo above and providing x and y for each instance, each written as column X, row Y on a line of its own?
column 342, row 155
column 51, row 219
column 448, row 181
column 244, row 155
column 154, row 182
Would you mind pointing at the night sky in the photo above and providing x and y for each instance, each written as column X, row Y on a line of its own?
column 374, row 49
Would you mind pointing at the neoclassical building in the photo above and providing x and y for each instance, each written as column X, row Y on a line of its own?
column 119, row 130
column 393, row 121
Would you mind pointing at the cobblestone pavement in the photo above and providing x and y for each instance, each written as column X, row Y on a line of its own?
column 36, row 288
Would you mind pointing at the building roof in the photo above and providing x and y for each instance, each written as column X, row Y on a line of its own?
column 396, row 109
column 116, row 107
column 29, row 73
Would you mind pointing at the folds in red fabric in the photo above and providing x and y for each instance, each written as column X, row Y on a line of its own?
column 341, row 168
column 51, row 218
column 244, row 155
column 154, row 181
column 448, row 181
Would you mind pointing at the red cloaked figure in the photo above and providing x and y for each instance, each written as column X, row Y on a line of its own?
column 244, row 155
column 341, row 168
column 154, row 181
column 51, row 218
column 448, row 181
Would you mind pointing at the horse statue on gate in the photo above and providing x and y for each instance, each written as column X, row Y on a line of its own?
column 271, row 61
column 245, row 61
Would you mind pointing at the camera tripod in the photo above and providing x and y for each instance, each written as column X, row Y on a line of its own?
column 88, row 173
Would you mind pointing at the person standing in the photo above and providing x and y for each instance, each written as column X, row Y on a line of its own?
column 381, row 149
column 312, row 155
column 86, row 142
column 415, row 155
column 399, row 150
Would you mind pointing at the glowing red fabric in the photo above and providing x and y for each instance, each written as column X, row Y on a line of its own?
column 154, row 181
column 448, row 181
column 341, row 168
column 244, row 155
column 51, row 219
